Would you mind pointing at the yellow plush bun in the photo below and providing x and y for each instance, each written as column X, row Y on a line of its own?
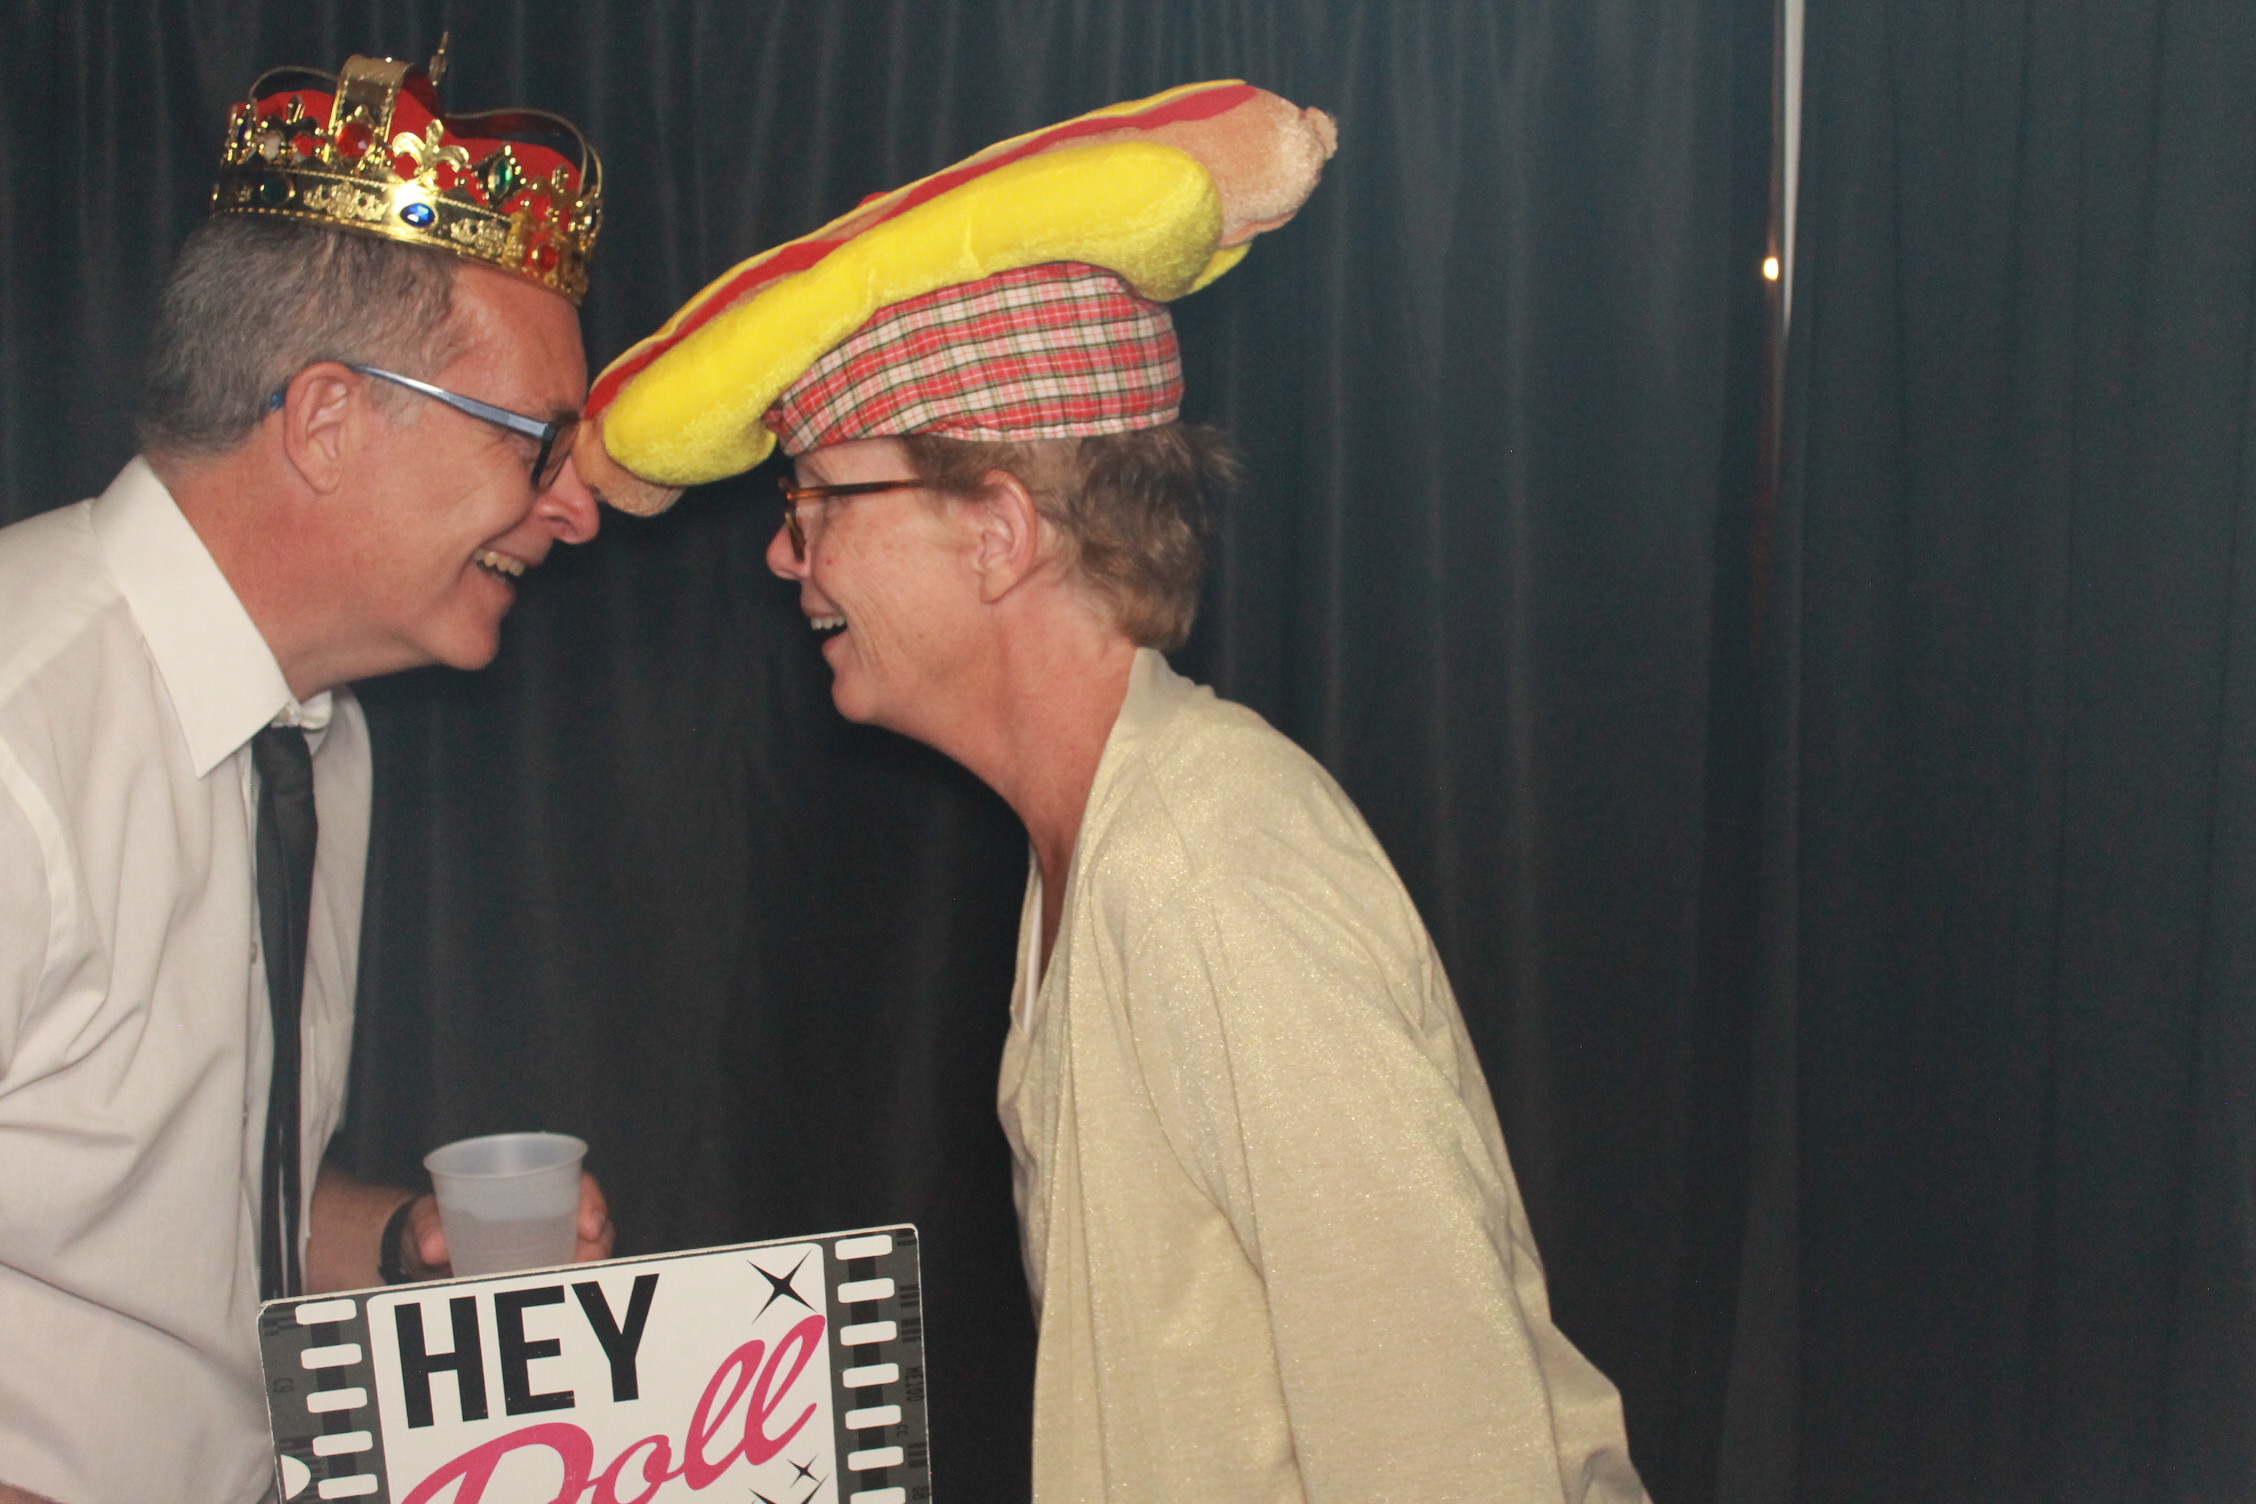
column 1164, row 192
column 1146, row 211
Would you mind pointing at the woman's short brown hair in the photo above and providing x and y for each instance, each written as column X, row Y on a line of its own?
column 1135, row 510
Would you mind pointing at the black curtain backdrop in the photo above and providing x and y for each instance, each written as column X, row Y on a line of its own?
column 1868, row 1012
column 2010, row 889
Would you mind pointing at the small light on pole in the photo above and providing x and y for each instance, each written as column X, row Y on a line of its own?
column 1770, row 268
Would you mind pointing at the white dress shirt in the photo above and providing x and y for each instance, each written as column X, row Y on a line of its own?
column 135, row 1037
column 1274, row 1240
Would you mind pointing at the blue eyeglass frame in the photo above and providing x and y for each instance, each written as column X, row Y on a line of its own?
column 545, row 431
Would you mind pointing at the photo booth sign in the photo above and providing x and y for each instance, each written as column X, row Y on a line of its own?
column 790, row 1372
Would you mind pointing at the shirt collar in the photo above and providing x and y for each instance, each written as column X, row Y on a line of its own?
column 221, row 675
column 1155, row 693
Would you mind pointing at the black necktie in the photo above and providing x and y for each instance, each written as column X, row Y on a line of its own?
column 286, row 832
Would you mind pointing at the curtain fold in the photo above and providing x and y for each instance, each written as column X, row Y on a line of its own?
column 2013, row 761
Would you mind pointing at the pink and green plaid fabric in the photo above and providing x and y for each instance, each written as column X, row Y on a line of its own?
column 1044, row 352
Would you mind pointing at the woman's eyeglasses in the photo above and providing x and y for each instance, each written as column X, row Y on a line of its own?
column 796, row 496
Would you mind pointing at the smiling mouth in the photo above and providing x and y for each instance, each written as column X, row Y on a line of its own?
column 499, row 563
column 827, row 623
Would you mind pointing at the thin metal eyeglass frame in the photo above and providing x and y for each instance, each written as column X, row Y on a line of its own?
column 796, row 496
column 547, row 464
column 545, row 431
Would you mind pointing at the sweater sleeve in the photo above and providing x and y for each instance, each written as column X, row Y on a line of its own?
column 1309, row 1067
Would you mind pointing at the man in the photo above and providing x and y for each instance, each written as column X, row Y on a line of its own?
column 364, row 387
column 1268, row 1218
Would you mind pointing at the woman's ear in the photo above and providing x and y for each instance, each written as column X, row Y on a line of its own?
column 1010, row 539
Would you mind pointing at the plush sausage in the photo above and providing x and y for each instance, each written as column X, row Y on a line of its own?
column 1166, row 192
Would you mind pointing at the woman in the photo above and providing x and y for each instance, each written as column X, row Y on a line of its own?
column 1268, row 1218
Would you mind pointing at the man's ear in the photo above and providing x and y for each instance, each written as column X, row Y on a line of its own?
column 318, row 417
column 1011, row 535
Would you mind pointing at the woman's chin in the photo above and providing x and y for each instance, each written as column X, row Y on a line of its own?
column 846, row 689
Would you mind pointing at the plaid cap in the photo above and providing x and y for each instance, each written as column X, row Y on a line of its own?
column 1060, row 350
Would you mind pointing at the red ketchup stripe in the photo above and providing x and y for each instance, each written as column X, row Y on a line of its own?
column 1203, row 104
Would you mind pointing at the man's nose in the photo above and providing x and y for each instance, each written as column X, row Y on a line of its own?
column 568, row 506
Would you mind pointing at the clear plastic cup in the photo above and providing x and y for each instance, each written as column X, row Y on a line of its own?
column 508, row 1201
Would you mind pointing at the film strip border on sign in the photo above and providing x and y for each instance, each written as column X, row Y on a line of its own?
column 321, row 1378
column 877, row 1368
column 321, row 1399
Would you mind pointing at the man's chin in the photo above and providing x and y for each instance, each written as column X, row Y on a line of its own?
column 472, row 648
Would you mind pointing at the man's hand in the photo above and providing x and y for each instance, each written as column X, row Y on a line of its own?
column 349, row 1214
column 10, row 1494
column 427, row 1256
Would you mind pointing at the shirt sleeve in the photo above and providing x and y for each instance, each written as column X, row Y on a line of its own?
column 1308, row 1065
column 27, row 918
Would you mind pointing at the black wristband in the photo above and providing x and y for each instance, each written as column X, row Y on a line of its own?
column 391, row 1249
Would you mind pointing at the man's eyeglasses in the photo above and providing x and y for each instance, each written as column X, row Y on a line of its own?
column 554, row 435
column 796, row 496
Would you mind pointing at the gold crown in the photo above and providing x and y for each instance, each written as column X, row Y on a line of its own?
column 370, row 150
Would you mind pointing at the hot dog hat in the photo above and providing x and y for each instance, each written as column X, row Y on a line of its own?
column 1017, row 294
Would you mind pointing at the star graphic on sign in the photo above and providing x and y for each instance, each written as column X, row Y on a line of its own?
column 780, row 1288
column 810, row 1493
column 805, row 1472
column 763, row 1498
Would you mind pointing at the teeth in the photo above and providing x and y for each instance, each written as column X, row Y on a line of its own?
column 826, row 623
column 500, row 563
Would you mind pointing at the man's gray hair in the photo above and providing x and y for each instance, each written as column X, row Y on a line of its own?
column 252, row 302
